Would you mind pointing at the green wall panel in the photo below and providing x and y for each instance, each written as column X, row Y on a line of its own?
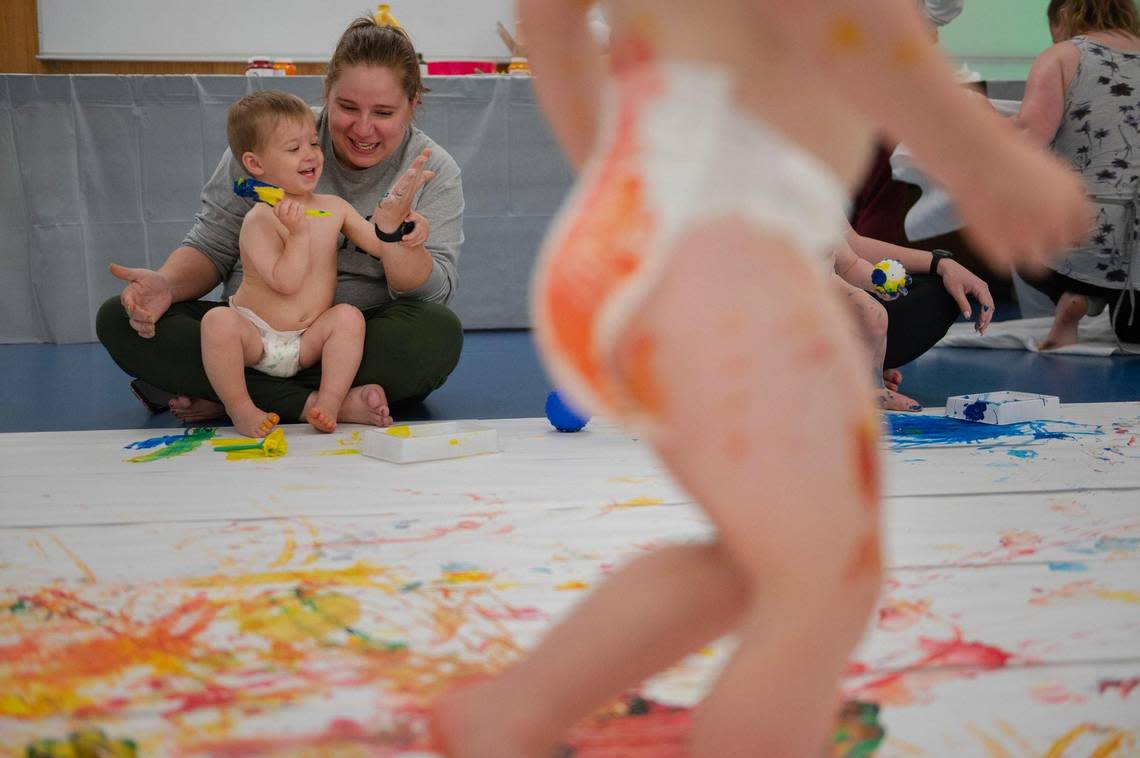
column 998, row 38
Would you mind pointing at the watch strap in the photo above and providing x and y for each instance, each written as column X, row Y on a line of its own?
column 405, row 227
column 936, row 257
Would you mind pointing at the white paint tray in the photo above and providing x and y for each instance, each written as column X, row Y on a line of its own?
column 409, row 443
column 1003, row 407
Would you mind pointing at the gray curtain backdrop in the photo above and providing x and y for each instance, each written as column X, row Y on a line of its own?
column 95, row 169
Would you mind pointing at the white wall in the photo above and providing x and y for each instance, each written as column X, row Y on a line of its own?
column 227, row 30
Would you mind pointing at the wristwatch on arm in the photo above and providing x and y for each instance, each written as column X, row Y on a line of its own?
column 936, row 257
column 405, row 227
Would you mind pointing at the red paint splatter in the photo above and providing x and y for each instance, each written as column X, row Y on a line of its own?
column 1125, row 686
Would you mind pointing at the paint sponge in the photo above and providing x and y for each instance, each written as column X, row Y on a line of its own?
column 889, row 278
column 1004, row 407
column 562, row 416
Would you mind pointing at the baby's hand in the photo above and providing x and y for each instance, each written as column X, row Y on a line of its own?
column 1024, row 206
column 292, row 215
column 419, row 235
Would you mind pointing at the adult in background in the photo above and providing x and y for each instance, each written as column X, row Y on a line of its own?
column 412, row 340
column 1082, row 98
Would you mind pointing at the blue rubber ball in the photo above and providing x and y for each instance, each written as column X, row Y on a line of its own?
column 562, row 416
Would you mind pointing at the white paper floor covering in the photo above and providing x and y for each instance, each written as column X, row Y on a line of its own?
column 315, row 603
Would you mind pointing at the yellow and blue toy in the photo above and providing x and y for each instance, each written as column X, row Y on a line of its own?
column 270, row 194
column 890, row 279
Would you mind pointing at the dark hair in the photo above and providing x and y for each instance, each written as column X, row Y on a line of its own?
column 366, row 44
column 251, row 120
column 1075, row 17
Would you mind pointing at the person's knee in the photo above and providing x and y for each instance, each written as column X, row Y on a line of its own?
column 110, row 320
column 878, row 323
column 347, row 319
column 221, row 324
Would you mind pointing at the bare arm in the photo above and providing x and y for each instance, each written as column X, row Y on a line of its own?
column 189, row 273
column 1044, row 103
column 567, row 65
column 405, row 268
column 851, row 268
column 960, row 282
column 1019, row 203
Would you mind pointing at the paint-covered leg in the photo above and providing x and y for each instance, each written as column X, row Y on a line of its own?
column 641, row 620
column 791, row 486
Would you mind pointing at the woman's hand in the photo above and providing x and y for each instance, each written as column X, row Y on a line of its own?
column 961, row 283
column 145, row 298
column 395, row 208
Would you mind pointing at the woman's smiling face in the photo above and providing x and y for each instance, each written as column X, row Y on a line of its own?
column 369, row 113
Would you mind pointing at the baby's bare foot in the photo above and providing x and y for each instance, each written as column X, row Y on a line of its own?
column 253, row 422
column 366, row 404
column 1071, row 308
column 192, row 409
column 893, row 401
column 892, row 378
column 321, row 419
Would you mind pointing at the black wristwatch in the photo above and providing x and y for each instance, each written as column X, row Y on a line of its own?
column 405, row 227
column 936, row 257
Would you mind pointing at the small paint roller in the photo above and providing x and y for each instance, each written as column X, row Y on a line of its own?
column 272, row 445
column 270, row 194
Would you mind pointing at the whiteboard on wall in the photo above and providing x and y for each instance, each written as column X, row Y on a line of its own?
column 234, row 30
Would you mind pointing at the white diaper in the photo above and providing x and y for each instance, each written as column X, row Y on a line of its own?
column 705, row 156
column 281, row 351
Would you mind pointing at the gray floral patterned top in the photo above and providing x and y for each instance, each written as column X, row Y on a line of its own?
column 1100, row 134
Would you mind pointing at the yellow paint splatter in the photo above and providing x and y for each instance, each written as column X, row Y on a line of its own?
column 1110, row 746
column 292, row 618
column 403, row 430
column 633, row 502
column 287, row 551
column 37, row 700
column 465, row 576
column 359, row 574
column 87, row 572
column 992, row 746
column 571, row 585
column 349, row 445
column 453, row 441
column 1127, row 596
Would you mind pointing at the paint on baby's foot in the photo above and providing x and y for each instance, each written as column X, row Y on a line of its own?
column 321, row 420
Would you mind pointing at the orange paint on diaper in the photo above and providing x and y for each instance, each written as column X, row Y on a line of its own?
column 601, row 251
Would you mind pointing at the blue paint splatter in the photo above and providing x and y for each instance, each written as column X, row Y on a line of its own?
column 1067, row 566
column 909, row 430
column 1023, row 453
column 975, row 411
column 1118, row 544
column 147, row 444
column 459, row 566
